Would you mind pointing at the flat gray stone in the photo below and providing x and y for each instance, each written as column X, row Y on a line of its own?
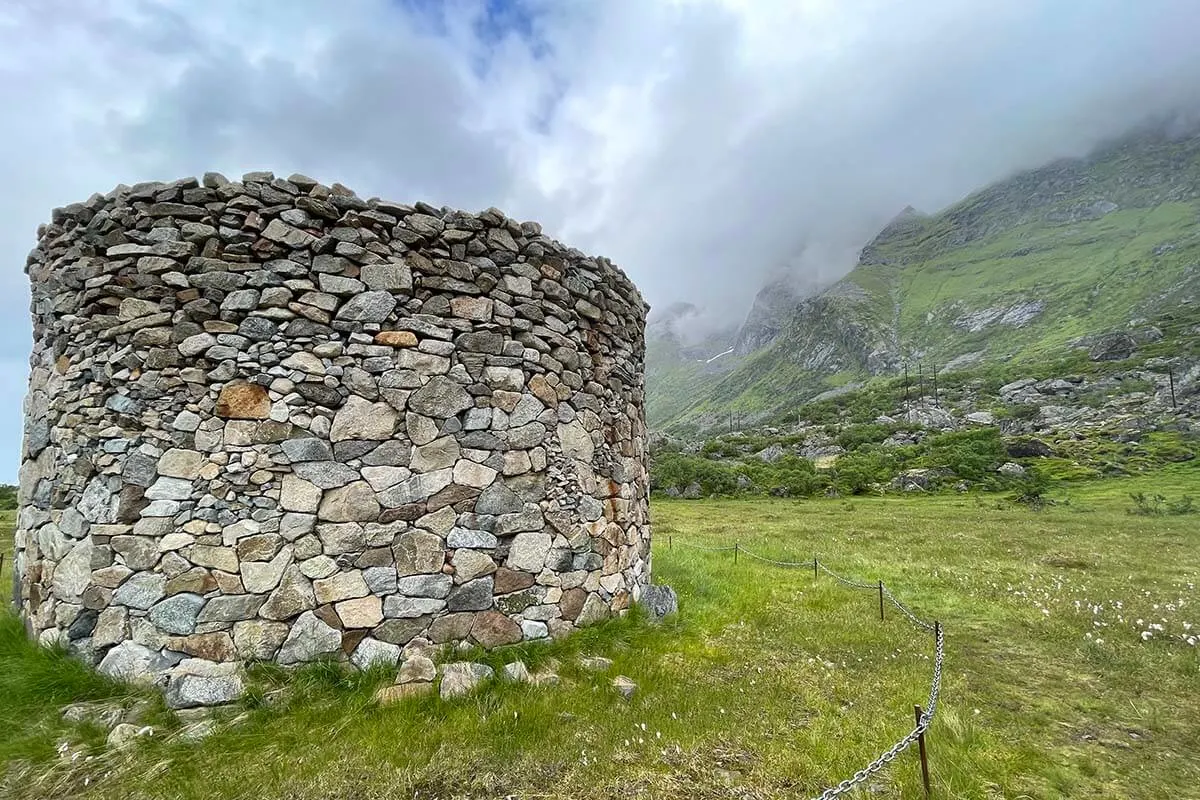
column 438, row 454
column 325, row 474
column 440, row 398
column 417, row 669
column 169, row 489
column 230, row 608
column 473, row 595
column 73, row 574
column 309, row 639
column 191, row 691
column 177, row 614
column 435, row 586
column 129, row 662
column 380, row 580
column 498, row 499
column 516, row 672
column 624, row 687
column 528, row 552
column 362, row 419
column 399, row 607
column 184, row 464
column 307, row 449
column 373, row 306
column 350, row 503
column 141, row 590
column 417, row 488
column 374, row 653
column 466, row 537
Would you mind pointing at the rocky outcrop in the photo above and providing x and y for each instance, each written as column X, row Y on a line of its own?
column 268, row 419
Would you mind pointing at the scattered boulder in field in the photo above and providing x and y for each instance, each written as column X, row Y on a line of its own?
column 595, row 663
column 1012, row 469
column 624, row 686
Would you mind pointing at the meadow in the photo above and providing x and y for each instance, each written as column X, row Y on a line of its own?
column 1071, row 670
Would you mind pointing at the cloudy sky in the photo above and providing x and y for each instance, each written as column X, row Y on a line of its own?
column 698, row 143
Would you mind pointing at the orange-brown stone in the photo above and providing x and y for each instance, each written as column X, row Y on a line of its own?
column 572, row 603
column 388, row 695
column 543, row 391
column 396, row 338
column 244, row 401
column 210, row 646
column 493, row 629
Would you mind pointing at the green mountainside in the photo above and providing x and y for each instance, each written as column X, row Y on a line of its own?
column 1020, row 271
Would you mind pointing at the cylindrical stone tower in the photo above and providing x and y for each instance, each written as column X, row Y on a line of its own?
column 269, row 420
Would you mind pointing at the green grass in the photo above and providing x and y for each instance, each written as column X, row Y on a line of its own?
column 770, row 684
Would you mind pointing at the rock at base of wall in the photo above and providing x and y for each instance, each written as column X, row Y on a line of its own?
column 659, row 601
column 462, row 677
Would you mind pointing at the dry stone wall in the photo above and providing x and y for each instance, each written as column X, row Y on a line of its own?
column 270, row 420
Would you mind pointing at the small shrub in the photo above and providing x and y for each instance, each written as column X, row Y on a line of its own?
column 855, row 473
column 970, row 454
column 1158, row 505
column 1024, row 411
column 857, row 435
column 1030, row 490
column 679, row 470
column 1183, row 505
column 789, row 476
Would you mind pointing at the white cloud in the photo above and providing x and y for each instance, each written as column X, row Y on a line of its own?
column 698, row 143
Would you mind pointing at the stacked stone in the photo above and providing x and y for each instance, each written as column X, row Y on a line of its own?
column 270, row 420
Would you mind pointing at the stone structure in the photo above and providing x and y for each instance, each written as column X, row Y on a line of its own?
column 268, row 419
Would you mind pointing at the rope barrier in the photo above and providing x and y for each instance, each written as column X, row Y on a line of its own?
column 924, row 718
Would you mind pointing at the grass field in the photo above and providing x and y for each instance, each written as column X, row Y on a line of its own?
column 1069, row 673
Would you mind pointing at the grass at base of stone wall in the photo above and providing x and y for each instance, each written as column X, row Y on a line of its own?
column 770, row 684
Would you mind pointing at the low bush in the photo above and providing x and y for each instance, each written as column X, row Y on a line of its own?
column 790, row 475
column 857, row 472
column 857, row 435
column 1030, row 490
column 1157, row 505
column 971, row 455
column 680, row 471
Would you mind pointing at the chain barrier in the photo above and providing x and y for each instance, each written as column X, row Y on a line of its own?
column 708, row 549
column 906, row 611
column 935, row 686
column 753, row 555
column 846, row 581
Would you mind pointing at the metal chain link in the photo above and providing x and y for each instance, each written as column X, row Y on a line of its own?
column 906, row 611
column 746, row 552
column 935, row 686
column 708, row 549
column 846, row 581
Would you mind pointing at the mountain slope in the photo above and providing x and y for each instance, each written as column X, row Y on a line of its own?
column 1019, row 270
column 679, row 370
